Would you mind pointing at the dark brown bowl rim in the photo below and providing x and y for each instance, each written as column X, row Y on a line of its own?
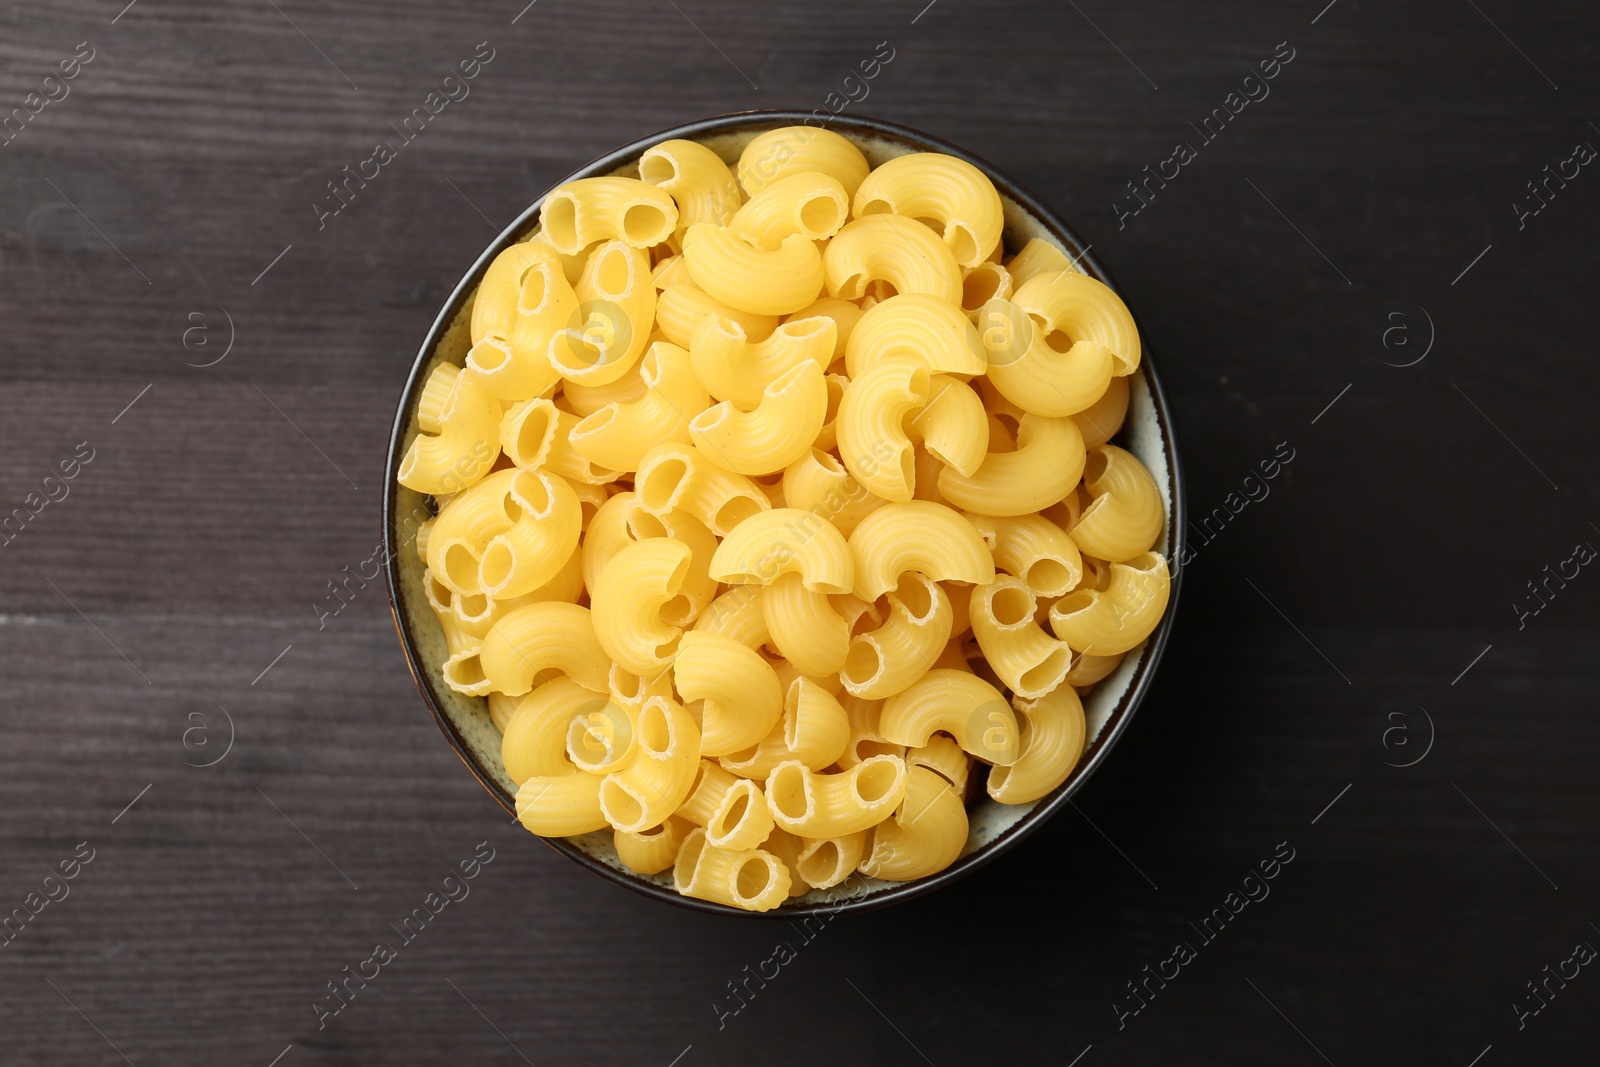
column 1120, row 717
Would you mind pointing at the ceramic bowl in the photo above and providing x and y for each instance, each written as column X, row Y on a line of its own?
column 465, row 721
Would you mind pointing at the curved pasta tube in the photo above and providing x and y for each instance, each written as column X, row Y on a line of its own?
column 952, row 425
column 845, row 316
column 819, row 483
column 887, row 660
column 811, row 204
column 1125, row 514
column 917, row 536
column 544, row 636
column 742, row 276
column 1084, row 309
column 561, row 458
column 1053, row 731
column 561, row 806
column 814, row 730
column 619, row 434
column 1029, row 661
column 585, row 400
column 865, row 740
column 577, row 214
column 776, row 154
column 957, row 198
column 1034, row 549
column 616, row 306
column 961, row 704
column 601, row 737
column 629, row 691
column 825, row 862
column 929, row 328
column 980, row 284
column 1045, row 467
column 871, row 433
column 1100, row 421
column 571, row 262
column 546, row 521
column 667, row 273
column 887, row 248
column 737, row 614
column 464, row 529
column 463, row 670
column 778, row 432
column 672, row 477
column 652, row 851
column 523, row 300
column 682, row 308
column 699, row 589
column 649, row 786
column 787, row 848
column 754, row 880
column 1087, row 670
column 528, row 432
column 710, row 787
column 944, row 757
column 1037, row 257
column 785, row 541
column 626, row 603
column 700, row 182
column 809, row 804
column 460, row 434
column 1105, row 623
column 607, row 535
column 742, row 820
column 925, row 835
column 804, row 626
column 738, row 690
column 733, row 368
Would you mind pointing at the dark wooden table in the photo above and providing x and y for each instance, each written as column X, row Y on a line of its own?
column 1358, row 678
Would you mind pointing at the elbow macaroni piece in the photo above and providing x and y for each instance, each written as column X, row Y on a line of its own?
column 579, row 213
column 1124, row 516
column 1108, row 622
column 701, row 184
column 743, row 276
column 1053, row 733
column 944, row 757
column 544, row 636
column 672, row 477
column 952, row 426
column 619, row 434
column 845, row 316
column 460, row 438
column 804, row 626
column 1100, row 421
column 655, row 779
column 956, row 197
column 736, row 369
column 523, row 300
column 739, row 692
column 626, row 603
column 887, row 660
column 652, row 851
column 917, row 536
column 682, row 307
column 811, row 204
column 1037, row 257
column 785, row 541
column 616, row 306
column 1029, row 661
column 754, row 880
column 562, row 805
column 1034, row 549
column 1044, row 468
column 887, row 248
column 778, row 432
column 819, row 483
column 961, row 704
column 809, row 804
column 545, row 522
column 737, row 614
column 931, row 329
column 925, row 834
column 871, row 420
column 825, row 862
column 814, row 730
column 788, row 150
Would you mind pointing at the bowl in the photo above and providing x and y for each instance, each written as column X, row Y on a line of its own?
column 994, row 827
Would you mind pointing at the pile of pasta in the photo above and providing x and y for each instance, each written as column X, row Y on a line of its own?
column 777, row 514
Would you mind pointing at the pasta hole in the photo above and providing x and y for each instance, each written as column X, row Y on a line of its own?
column 613, row 274
column 438, row 592
column 935, row 225
column 560, row 218
column 786, row 788
column 1011, row 604
column 753, row 877
column 1050, row 671
column 821, row 865
column 535, row 290
column 734, row 511
column 655, row 729
column 489, row 354
column 821, row 215
column 472, row 607
column 1058, row 341
column 876, row 780
column 963, row 245
column 916, row 594
column 1094, row 468
column 531, row 436
column 689, row 853
column 863, row 663
column 867, row 747
column 1048, row 576
column 643, row 224
column 876, row 205
column 679, row 611
column 731, row 816
column 498, row 563
column 620, row 807
column 627, row 686
column 657, row 169
column 660, row 485
column 460, row 566
column 979, row 287
column 464, row 672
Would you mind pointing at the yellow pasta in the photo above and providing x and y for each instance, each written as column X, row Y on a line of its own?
column 699, row 181
column 809, row 804
column 804, row 626
column 683, row 306
column 784, row 541
column 887, row 248
column 776, row 433
column 960, row 704
column 1029, row 661
column 673, row 477
column 653, row 782
column 865, row 740
column 825, row 862
column 871, row 421
column 1125, row 515
column 811, row 204
column 736, row 369
column 1104, row 623
column 619, row 434
column 1032, row 548
column 1052, row 735
column 626, row 603
column 460, row 438
column 778, row 153
column 743, row 276
column 1045, row 467
column 522, row 301
column 738, row 691
column 917, row 536
column 654, row 850
column 1037, row 257
column 887, row 660
column 814, row 731
column 925, row 835
column 952, row 426
column 819, row 483
column 543, row 636
column 563, row 805
column 845, row 316
column 753, row 879
column 577, row 214
column 957, row 199
column 545, row 523
column 528, row 432
column 944, row 757
column 927, row 327
column 616, row 306
column 1100, row 421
